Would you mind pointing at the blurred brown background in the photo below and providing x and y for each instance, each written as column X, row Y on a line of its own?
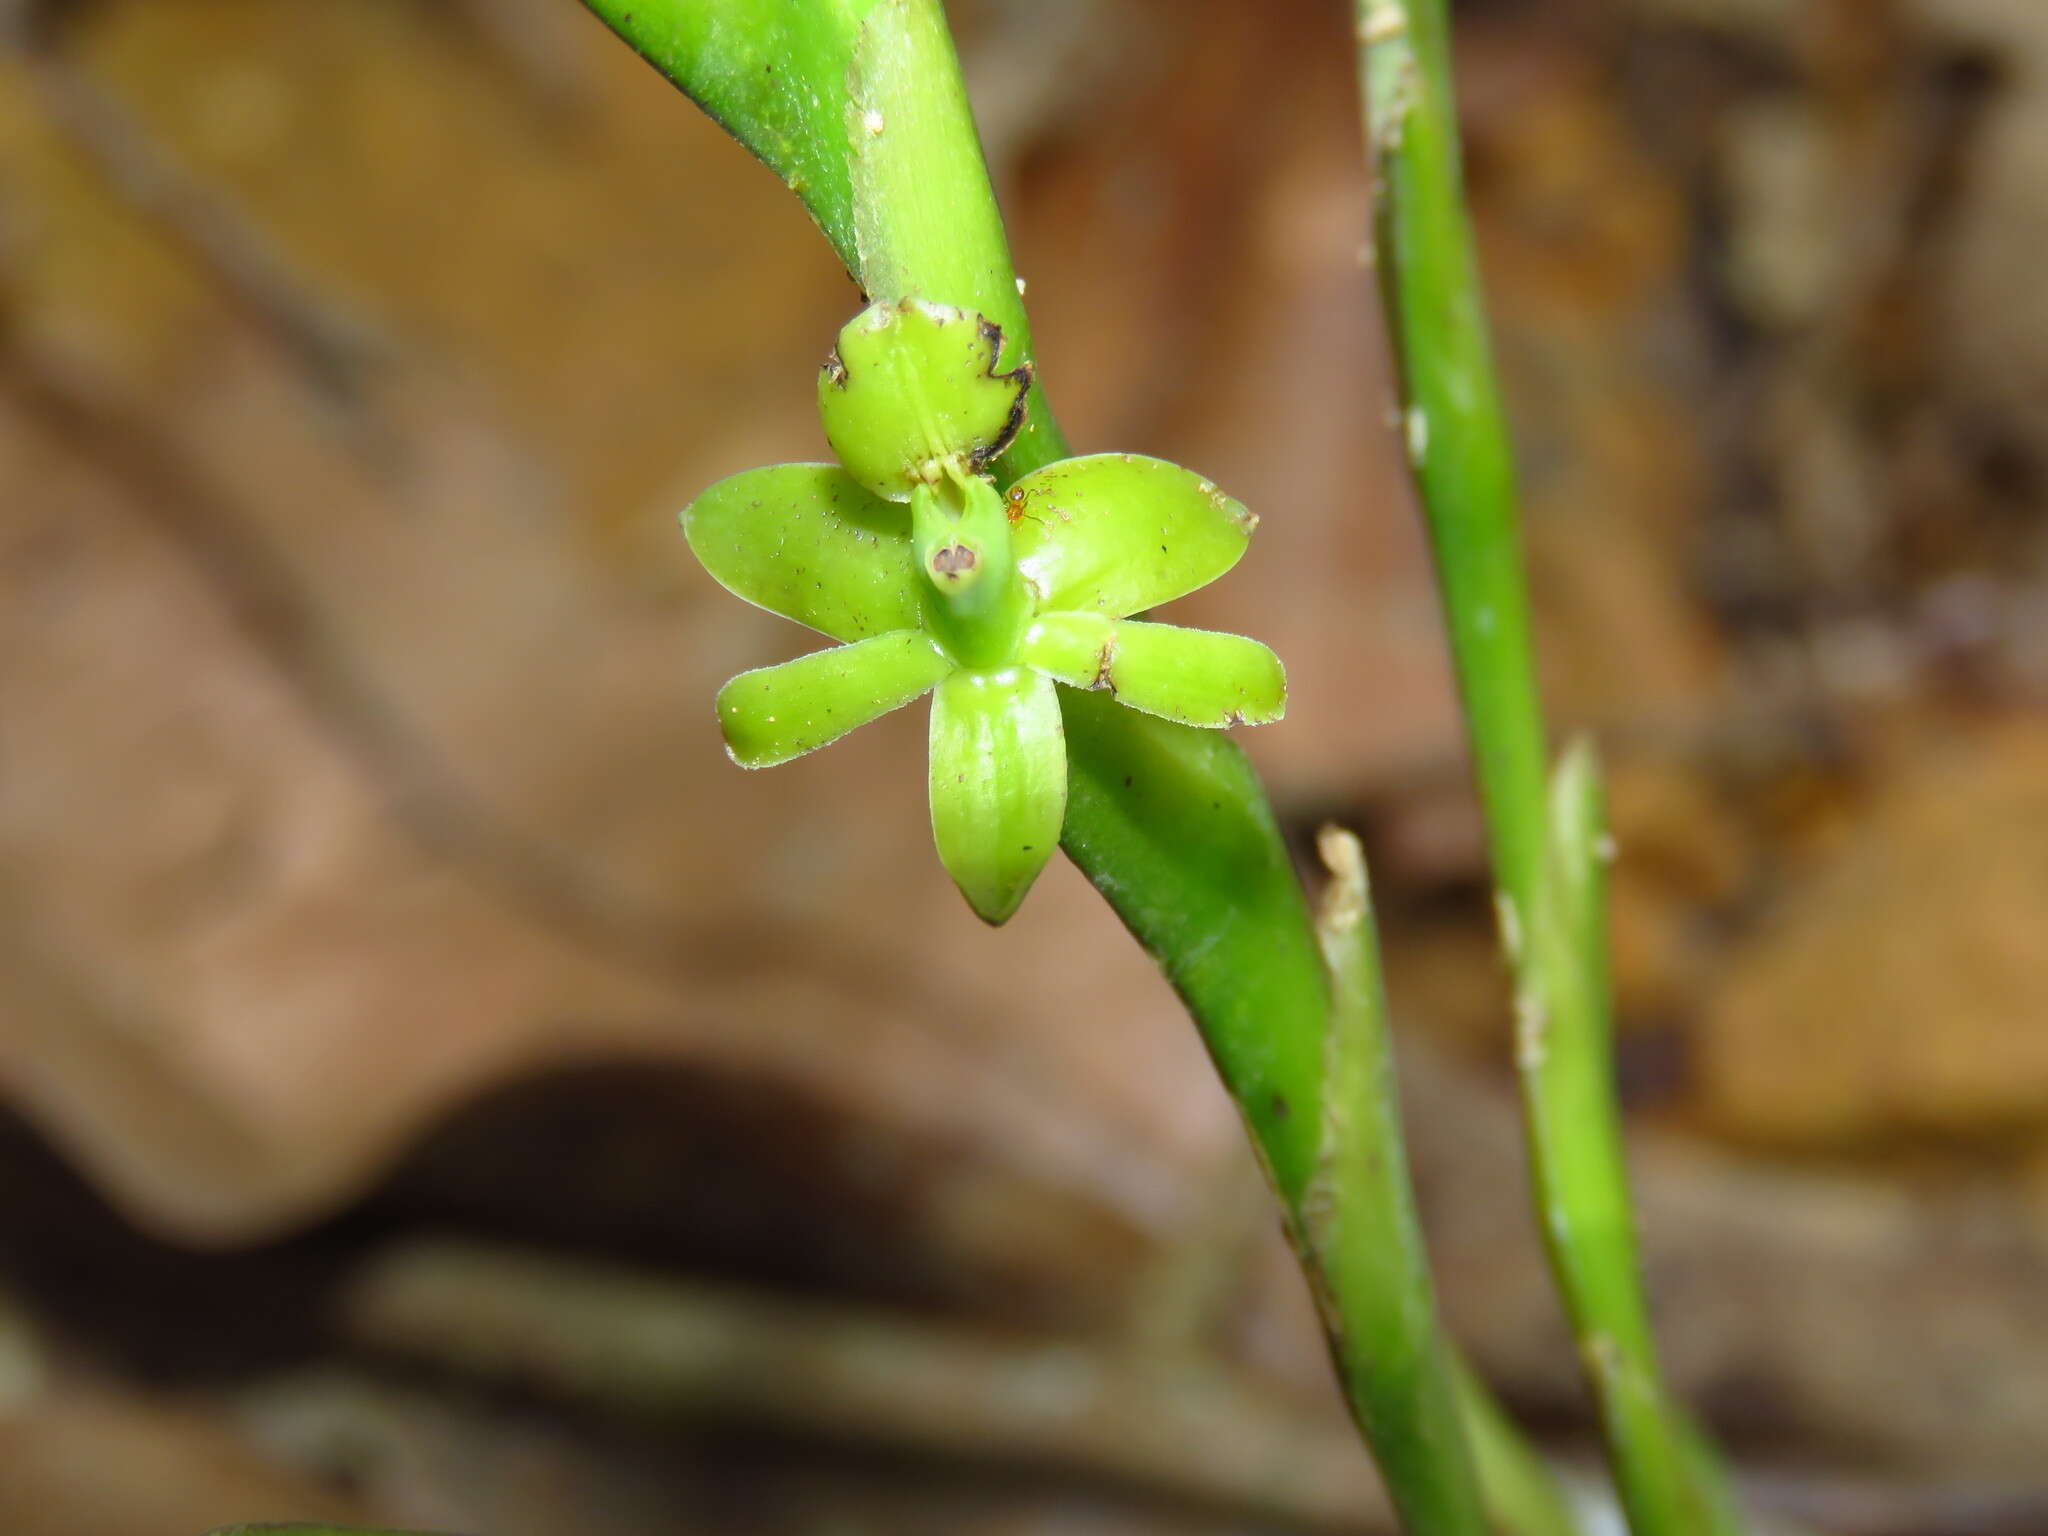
column 442, row 1091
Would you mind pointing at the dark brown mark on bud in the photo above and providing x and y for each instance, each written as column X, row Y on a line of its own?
column 1020, row 377
column 952, row 560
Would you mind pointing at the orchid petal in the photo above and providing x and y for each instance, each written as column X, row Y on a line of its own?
column 773, row 714
column 998, row 784
column 1116, row 533
column 1194, row 676
column 805, row 541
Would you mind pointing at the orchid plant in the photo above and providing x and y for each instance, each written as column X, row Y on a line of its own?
column 934, row 581
column 955, row 549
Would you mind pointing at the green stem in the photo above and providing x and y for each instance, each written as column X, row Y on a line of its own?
column 1564, row 1050
column 859, row 107
column 1552, row 911
column 925, row 220
column 1363, row 1246
column 869, row 123
column 1523, row 1494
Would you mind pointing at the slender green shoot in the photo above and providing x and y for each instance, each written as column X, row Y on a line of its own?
column 1564, row 1051
column 1546, row 859
column 1363, row 1241
column 1523, row 1494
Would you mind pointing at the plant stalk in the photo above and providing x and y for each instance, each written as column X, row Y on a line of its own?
column 870, row 125
column 1547, row 855
column 1362, row 1240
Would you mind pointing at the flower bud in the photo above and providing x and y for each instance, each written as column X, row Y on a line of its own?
column 912, row 391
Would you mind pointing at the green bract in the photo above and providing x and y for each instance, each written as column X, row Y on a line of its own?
column 911, row 389
column 989, row 599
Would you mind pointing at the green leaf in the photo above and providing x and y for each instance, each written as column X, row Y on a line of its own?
column 1170, row 824
column 1194, row 676
column 805, row 541
column 912, row 388
column 998, row 784
column 1116, row 533
column 773, row 714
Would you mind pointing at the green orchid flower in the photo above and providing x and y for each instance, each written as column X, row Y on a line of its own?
column 936, row 582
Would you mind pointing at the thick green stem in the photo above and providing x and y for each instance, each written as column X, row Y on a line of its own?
column 1172, row 827
column 1552, row 911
